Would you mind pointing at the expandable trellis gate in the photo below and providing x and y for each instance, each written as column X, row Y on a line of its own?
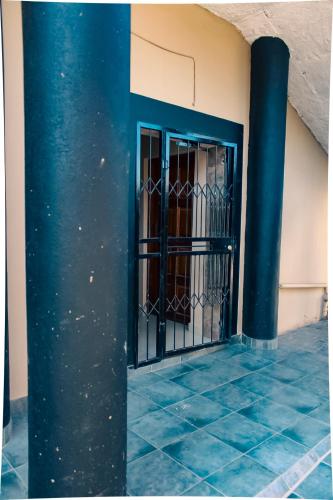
column 185, row 242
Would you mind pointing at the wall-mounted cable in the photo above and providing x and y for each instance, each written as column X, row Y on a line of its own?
column 176, row 53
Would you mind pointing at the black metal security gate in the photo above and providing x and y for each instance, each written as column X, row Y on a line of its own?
column 185, row 242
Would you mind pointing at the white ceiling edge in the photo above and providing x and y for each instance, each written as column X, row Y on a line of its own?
column 306, row 29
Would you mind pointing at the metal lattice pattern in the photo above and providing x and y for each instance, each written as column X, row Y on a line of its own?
column 205, row 299
column 185, row 199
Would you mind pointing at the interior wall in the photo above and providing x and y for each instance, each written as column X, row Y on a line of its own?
column 304, row 226
column 222, row 59
column 14, row 162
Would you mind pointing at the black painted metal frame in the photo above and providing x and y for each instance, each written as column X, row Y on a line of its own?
column 175, row 121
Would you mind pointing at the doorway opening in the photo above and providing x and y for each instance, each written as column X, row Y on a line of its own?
column 185, row 242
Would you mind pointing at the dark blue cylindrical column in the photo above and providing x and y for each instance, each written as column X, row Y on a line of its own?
column 76, row 81
column 268, row 105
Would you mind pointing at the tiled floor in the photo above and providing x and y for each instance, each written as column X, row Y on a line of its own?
column 234, row 422
column 230, row 423
column 14, row 477
column 317, row 484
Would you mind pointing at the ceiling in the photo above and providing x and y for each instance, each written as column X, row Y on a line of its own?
column 306, row 29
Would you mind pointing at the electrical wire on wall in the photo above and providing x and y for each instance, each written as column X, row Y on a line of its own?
column 176, row 53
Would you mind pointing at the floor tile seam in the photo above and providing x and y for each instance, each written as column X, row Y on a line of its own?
column 143, row 456
column 212, row 388
column 142, row 395
column 167, row 409
column 178, row 375
column 11, row 466
column 245, row 453
column 308, row 449
column 20, row 476
column 277, row 403
column 322, row 377
column 233, row 412
column 3, row 474
column 150, row 400
column 196, row 393
column 175, row 461
column 171, row 442
column 257, row 372
column 232, row 380
column 189, row 489
column 318, row 419
column 315, row 376
column 271, row 398
column 181, row 465
column 279, row 433
column 227, row 465
column 21, row 482
column 177, row 402
column 307, row 375
column 131, row 420
column 276, row 379
column 145, row 439
column 326, row 463
column 202, row 478
column 204, row 428
column 241, row 454
column 220, row 469
column 285, row 474
column 274, row 433
column 293, row 488
column 199, row 370
column 298, row 442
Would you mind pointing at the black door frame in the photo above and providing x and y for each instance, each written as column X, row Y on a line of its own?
column 173, row 120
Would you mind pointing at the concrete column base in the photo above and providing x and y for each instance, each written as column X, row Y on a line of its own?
column 259, row 344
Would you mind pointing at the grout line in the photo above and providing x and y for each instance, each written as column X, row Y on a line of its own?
column 20, row 477
column 265, row 492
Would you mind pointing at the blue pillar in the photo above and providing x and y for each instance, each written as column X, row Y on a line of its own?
column 268, row 105
column 76, row 81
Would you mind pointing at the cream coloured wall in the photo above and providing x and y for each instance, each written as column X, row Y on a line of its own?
column 304, row 226
column 222, row 60
column 14, row 160
column 222, row 89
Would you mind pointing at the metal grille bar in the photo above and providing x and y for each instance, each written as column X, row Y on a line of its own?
column 185, row 246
